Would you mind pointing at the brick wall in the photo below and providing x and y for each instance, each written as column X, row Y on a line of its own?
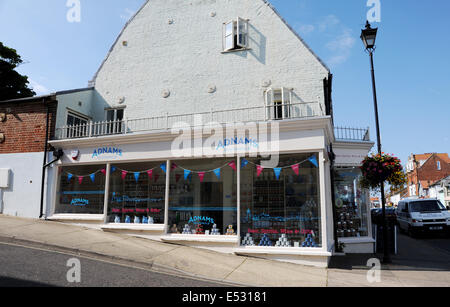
column 429, row 171
column 25, row 125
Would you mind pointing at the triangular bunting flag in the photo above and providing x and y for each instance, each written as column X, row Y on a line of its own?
column 296, row 169
column 277, row 172
column 103, row 171
column 186, row 174
column 244, row 163
column 201, row 175
column 313, row 160
column 124, row 174
column 80, row 179
column 69, row 176
column 174, row 166
column 150, row 173
column 113, row 169
column 136, row 176
column 217, row 172
column 164, row 167
column 232, row 164
column 259, row 170
column 177, row 177
column 92, row 177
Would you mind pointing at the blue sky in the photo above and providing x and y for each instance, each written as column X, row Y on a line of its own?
column 411, row 62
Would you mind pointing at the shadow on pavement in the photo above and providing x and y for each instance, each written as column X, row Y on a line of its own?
column 422, row 253
column 7, row 282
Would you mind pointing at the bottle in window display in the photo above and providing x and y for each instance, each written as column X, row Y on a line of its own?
column 117, row 219
column 127, row 219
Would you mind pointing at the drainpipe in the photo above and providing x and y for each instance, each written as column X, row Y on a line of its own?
column 47, row 128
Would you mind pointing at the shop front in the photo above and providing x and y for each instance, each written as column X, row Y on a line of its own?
column 232, row 204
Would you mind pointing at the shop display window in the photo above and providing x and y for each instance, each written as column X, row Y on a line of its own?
column 351, row 203
column 137, row 193
column 203, row 197
column 81, row 190
column 281, row 207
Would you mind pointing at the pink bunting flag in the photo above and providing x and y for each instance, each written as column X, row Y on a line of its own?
column 232, row 164
column 80, row 180
column 296, row 169
column 174, row 166
column 201, row 175
column 150, row 173
column 124, row 174
column 259, row 170
column 103, row 171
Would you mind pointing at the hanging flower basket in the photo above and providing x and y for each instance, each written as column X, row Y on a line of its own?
column 382, row 168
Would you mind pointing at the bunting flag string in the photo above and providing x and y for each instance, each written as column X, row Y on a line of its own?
column 217, row 172
column 201, row 174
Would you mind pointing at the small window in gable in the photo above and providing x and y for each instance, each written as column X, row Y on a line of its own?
column 439, row 165
column 235, row 35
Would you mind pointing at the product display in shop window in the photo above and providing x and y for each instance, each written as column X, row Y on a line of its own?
column 202, row 197
column 351, row 204
column 281, row 207
column 137, row 193
column 81, row 190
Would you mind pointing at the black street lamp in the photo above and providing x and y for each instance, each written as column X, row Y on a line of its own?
column 368, row 36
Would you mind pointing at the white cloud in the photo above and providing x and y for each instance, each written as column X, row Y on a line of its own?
column 328, row 22
column 127, row 14
column 341, row 47
column 38, row 88
column 306, row 29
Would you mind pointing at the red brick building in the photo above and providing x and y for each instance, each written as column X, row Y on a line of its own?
column 424, row 170
column 23, row 124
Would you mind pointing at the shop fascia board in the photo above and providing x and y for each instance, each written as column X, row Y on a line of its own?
column 317, row 123
column 261, row 250
column 353, row 145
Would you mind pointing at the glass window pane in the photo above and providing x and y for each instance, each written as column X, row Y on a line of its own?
column 351, row 203
column 281, row 211
column 229, row 28
column 203, row 203
column 81, row 190
column 137, row 193
column 229, row 42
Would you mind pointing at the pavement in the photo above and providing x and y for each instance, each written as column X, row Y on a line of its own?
column 221, row 268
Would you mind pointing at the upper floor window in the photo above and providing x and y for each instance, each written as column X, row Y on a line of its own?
column 235, row 34
column 278, row 103
column 438, row 165
column 76, row 120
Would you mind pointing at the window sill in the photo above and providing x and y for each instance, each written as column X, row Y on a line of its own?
column 201, row 238
column 138, row 227
column 356, row 240
column 76, row 217
column 236, row 50
column 268, row 250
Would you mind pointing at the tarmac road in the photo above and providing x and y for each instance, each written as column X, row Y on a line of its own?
column 35, row 267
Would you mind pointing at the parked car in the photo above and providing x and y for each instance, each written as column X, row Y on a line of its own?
column 377, row 215
column 422, row 216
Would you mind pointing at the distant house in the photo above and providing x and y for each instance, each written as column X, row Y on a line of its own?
column 424, row 170
column 441, row 191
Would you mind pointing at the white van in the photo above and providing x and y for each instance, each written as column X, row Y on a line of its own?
column 422, row 215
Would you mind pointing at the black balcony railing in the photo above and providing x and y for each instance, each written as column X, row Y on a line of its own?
column 352, row 134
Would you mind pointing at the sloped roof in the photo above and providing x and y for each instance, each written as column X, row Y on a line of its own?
column 92, row 82
column 427, row 156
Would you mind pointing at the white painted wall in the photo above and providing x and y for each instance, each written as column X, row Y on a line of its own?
column 186, row 57
column 22, row 198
